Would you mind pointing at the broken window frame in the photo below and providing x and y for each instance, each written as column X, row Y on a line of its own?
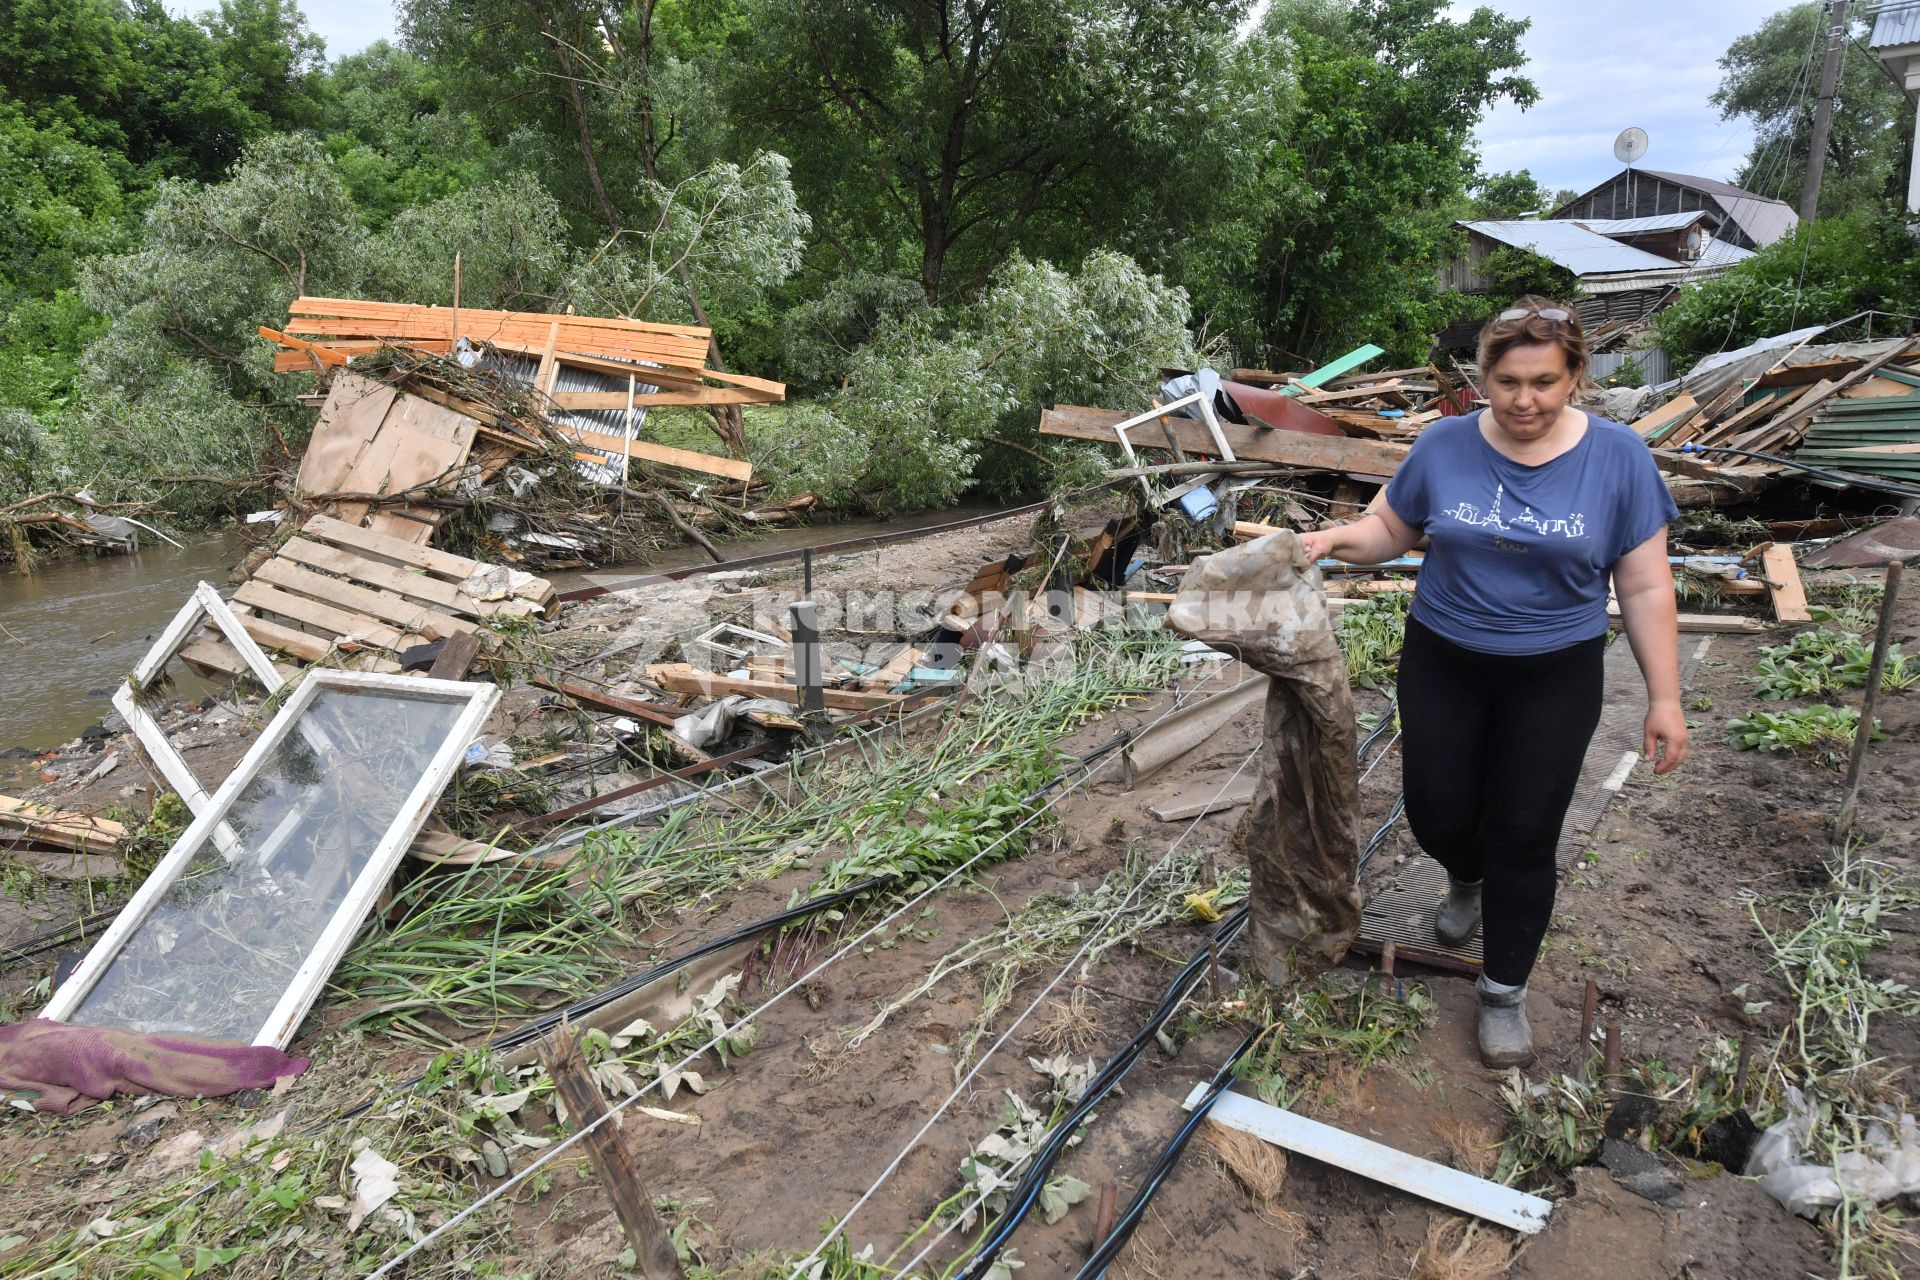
column 303, row 987
column 204, row 604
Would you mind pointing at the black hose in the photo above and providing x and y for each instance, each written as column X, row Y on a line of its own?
column 1849, row 478
column 1108, row 1249
column 1027, row 1192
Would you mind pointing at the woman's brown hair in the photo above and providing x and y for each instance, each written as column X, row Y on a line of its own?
column 1503, row 335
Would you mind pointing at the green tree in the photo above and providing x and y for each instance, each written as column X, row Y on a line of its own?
column 1762, row 83
column 1347, row 202
column 933, row 137
column 1826, row 271
column 1501, row 196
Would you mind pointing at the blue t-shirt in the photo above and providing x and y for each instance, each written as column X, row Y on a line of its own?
column 1519, row 557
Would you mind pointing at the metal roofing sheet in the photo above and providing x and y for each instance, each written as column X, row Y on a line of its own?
column 1570, row 245
column 612, row 422
column 1641, row 226
column 1895, row 24
column 1719, row 253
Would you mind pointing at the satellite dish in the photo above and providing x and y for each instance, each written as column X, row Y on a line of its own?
column 1630, row 145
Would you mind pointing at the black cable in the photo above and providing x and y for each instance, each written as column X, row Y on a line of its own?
column 1379, row 837
column 1027, row 1192
column 74, row 932
column 1848, row 478
column 1108, row 1249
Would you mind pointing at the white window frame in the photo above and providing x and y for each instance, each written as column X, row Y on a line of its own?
column 204, row 603
column 305, row 984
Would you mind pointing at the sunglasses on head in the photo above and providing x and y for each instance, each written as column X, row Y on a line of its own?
column 1521, row 313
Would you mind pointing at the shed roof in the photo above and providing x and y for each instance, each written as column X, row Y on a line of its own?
column 1895, row 23
column 1570, row 245
column 1763, row 218
column 1642, row 226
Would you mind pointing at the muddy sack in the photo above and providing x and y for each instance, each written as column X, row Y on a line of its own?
column 1263, row 600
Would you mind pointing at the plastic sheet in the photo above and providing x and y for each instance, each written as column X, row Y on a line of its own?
column 1887, row 1166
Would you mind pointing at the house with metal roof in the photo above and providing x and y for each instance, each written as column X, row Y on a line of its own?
column 1743, row 218
column 1626, row 268
column 1896, row 42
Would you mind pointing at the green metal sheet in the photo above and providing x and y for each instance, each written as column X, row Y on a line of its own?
column 1333, row 369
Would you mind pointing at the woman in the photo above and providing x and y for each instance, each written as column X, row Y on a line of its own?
column 1530, row 507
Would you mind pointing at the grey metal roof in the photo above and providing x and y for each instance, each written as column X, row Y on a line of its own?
column 612, row 422
column 1763, row 219
column 1719, row 253
column 1641, row 226
column 1895, row 23
column 1570, row 245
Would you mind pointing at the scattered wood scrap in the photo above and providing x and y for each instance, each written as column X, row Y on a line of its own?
column 78, row 832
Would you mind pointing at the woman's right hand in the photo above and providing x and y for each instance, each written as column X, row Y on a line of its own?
column 1319, row 543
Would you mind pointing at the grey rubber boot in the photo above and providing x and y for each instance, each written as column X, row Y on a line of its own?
column 1505, row 1038
column 1459, row 912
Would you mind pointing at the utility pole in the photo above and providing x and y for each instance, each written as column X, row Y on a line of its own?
column 1823, row 110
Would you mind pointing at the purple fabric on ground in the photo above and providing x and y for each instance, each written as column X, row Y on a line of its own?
column 72, row 1066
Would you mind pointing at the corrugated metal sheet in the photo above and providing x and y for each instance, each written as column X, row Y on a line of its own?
column 1763, row 219
column 1570, row 245
column 523, row 368
column 1641, row 226
column 1719, row 253
column 1656, row 365
column 1896, row 24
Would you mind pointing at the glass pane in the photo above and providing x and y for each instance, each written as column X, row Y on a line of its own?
column 218, row 949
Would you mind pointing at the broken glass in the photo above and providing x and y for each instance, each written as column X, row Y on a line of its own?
column 227, row 939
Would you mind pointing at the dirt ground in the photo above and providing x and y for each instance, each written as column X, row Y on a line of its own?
column 794, row 1132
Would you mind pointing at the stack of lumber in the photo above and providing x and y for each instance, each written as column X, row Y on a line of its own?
column 377, row 442
column 669, row 356
column 339, row 589
column 1776, row 411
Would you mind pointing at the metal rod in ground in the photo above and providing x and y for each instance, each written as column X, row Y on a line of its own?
column 1587, row 1010
column 806, row 572
column 1612, row 1058
column 807, row 668
column 1850, row 797
column 651, row 1241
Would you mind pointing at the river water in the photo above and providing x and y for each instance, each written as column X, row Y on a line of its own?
column 72, row 632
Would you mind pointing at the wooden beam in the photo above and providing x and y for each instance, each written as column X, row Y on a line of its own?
column 681, row 677
column 1256, row 444
column 1789, row 595
column 603, row 700
column 77, row 831
column 662, row 454
column 647, row 1235
column 581, row 400
column 325, row 355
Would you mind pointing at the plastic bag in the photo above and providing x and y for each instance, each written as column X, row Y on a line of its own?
column 1888, row 1165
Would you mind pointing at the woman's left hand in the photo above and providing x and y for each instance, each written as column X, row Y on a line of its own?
column 1666, row 728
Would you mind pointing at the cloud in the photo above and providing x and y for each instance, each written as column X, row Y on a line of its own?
column 1650, row 63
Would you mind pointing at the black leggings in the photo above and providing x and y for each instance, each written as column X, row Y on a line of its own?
column 1491, row 754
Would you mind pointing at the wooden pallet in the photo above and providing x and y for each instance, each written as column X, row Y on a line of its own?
column 338, row 591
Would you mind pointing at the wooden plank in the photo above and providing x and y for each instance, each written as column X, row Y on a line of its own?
column 1650, row 425
column 312, row 305
column 659, row 399
column 605, row 700
column 681, row 677
column 1736, row 422
column 80, row 832
column 664, row 455
column 444, row 563
column 434, row 616
column 1784, row 585
column 1353, row 393
column 457, row 657
column 309, row 350
column 896, row 669
column 1702, row 623
column 273, row 637
column 210, row 655
column 331, row 620
column 665, row 350
column 1379, row 1162
column 1255, row 444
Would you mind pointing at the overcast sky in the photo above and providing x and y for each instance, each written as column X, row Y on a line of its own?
column 1650, row 63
